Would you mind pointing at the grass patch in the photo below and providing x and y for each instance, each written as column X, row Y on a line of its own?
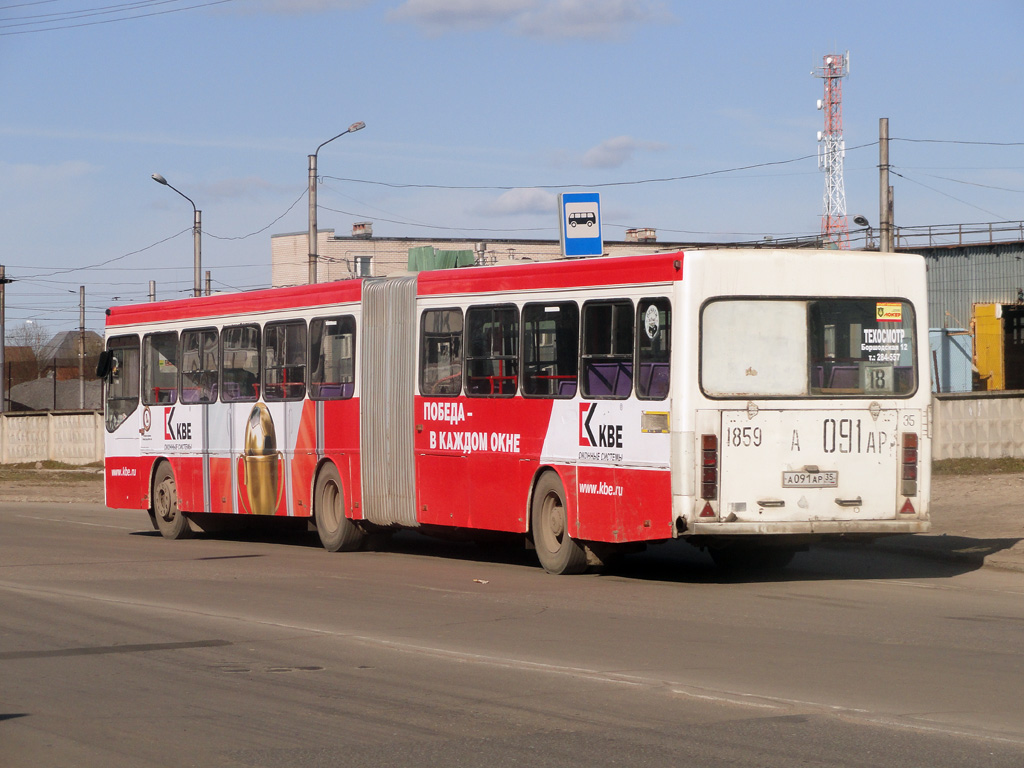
column 978, row 466
column 55, row 472
column 52, row 465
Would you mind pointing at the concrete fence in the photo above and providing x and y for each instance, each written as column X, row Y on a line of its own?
column 72, row 437
column 987, row 425
column 984, row 425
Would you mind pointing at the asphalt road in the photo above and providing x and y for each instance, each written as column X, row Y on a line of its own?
column 118, row 648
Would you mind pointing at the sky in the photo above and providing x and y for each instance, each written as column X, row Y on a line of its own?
column 698, row 119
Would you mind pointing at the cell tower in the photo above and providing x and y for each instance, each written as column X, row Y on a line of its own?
column 832, row 149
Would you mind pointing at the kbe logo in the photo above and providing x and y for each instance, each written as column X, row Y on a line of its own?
column 180, row 430
column 608, row 435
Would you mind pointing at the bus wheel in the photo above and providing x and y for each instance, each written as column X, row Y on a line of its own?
column 557, row 551
column 170, row 521
column 337, row 533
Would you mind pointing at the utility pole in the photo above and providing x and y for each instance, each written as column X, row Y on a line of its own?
column 152, row 290
column 81, row 347
column 313, row 247
column 885, row 203
column 197, row 231
column 3, row 340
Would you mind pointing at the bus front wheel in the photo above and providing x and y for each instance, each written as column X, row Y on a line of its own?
column 337, row 533
column 557, row 551
column 170, row 521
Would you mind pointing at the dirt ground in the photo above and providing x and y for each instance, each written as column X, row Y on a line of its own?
column 987, row 506
column 54, row 486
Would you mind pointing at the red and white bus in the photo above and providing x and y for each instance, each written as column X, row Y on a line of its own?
column 749, row 401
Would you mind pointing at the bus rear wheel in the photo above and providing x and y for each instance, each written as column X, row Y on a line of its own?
column 557, row 551
column 337, row 533
column 170, row 521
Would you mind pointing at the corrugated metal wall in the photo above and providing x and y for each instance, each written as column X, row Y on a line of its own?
column 962, row 276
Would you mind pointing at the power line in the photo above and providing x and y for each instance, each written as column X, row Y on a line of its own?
column 975, row 184
column 53, row 24
column 432, row 226
column 960, row 141
column 108, row 261
column 598, row 185
column 951, row 197
column 263, row 229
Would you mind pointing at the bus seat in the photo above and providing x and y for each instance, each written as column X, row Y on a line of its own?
column 656, row 377
column 844, row 377
column 609, row 379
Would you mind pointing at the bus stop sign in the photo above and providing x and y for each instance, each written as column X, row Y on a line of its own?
column 580, row 224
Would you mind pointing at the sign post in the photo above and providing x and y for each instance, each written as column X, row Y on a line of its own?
column 579, row 225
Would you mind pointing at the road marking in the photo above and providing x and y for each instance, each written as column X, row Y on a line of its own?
column 78, row 522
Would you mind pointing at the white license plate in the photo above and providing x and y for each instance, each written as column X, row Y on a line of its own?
column 810, row 479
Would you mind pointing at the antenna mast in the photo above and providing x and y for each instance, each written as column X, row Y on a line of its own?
column 835, row 232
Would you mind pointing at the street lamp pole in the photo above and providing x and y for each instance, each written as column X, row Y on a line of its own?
column 313, row 255
column 197, row 228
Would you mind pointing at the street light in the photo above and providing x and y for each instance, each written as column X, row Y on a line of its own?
column 197, row 228
column 862, row 221
column 312, row 198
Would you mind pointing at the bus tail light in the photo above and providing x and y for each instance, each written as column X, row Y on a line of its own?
column 709, row 467
column 909, row 464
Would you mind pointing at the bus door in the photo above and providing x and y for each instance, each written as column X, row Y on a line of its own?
column 184, row 428
column 126, row 471
column 284, row 392
column 441, row 469
column 623, row 431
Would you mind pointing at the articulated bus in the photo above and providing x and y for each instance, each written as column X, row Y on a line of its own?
column 751, row 402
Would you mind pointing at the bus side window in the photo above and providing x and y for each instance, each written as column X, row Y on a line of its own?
column 123, row 380
column 284, row 373
column 332, row 354
column 160, row 368
column 240, row 363
column 492, row 351
column 607, row 359
column 653, row 348
column 441, row 352
column 551, row 341
column 198, row 366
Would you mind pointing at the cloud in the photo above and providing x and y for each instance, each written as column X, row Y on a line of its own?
column 248, row 188
column 614, row 153
column 438, row 16
column 24, row 175
column 590, row 19
column 516, row 202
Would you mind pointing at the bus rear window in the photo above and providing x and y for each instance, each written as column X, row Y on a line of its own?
column 808, row 348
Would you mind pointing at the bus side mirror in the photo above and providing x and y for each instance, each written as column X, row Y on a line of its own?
column 105, row 364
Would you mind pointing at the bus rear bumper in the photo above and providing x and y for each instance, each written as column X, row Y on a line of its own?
column 809, row 528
